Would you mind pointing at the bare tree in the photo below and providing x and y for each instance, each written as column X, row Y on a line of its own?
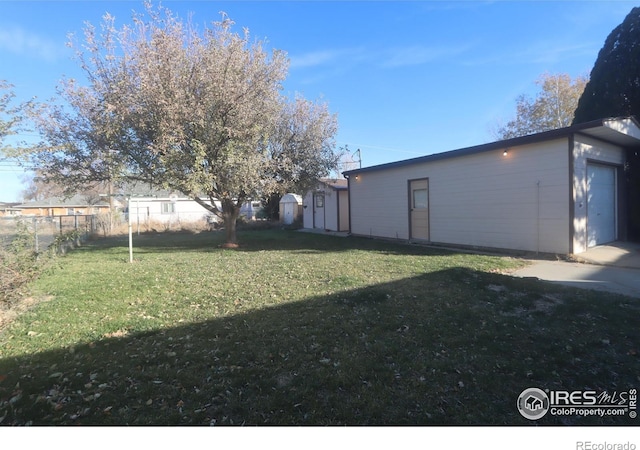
column 200, row 113
column 553, row 107
column 11, row 119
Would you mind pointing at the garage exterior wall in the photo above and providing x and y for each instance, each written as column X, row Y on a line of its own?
column 588, row 150
column 520, row 201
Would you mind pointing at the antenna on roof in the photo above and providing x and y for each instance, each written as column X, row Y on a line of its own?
column 359, row 158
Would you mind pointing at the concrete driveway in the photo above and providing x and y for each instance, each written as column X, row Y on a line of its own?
column 612, row 268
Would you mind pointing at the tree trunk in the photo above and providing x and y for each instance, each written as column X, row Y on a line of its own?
column 230, row 215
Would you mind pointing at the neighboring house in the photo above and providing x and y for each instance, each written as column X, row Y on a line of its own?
column 176, row 208
column 152, row 204
column 559, row 192
column 76, row 205
column 327, row 206
column 9, row 209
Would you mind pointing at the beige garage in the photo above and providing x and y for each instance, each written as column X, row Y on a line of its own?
column 553, row 192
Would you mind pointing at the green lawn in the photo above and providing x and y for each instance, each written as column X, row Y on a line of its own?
column 301, row 329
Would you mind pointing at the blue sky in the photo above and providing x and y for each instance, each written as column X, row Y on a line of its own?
column 405, row 78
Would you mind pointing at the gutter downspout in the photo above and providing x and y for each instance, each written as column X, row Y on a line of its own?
column 572, row 200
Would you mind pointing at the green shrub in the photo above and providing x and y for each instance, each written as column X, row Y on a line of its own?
column 19, row 260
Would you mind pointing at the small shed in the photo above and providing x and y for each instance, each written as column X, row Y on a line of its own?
column 327, row 206
column 290, row 208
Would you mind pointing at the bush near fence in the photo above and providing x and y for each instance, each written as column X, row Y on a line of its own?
column 18, row 259
column 28, row 243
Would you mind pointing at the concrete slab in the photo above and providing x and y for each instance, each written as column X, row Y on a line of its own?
column 620, row 280
column 618, row 254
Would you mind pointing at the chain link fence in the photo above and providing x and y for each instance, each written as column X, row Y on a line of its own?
column 46, row 229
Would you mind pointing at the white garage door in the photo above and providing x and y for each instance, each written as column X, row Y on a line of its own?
column 601, row 204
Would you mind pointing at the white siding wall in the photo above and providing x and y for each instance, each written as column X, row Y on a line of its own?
column 331, row 209
column 519, row 201
column 587, row 149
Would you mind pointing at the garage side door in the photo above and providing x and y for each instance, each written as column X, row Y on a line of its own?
column 601, row 204
column 419, row 209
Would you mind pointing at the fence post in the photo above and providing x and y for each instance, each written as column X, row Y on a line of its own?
column 35, row 232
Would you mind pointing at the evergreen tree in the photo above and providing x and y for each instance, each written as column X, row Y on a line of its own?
column 613, row 89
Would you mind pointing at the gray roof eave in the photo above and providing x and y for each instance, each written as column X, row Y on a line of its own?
column 588, row 128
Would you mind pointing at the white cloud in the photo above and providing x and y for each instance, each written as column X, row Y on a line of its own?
column 19, row 41
column 312, row 59
column 324, row 57
column 388, row 58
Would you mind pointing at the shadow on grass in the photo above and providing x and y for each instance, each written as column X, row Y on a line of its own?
column 406, row 352
column 256, row 241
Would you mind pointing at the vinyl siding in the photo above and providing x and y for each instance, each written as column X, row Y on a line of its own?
column 331, row 209
column 519, row 201
column 185, row 210
column 327, row 216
